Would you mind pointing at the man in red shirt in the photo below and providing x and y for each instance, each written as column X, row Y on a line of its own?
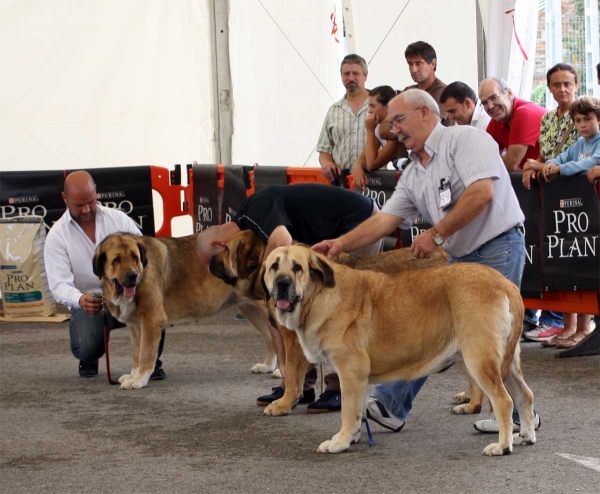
column 515, row 124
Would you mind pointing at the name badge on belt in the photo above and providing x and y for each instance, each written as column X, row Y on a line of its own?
column 445, row 193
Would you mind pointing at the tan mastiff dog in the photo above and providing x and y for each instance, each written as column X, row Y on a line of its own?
column 238, row 264
column 150, row 283
column 379, row 328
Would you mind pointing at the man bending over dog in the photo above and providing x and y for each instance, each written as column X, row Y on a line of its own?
column 459, row 183
column 68, row 254
column 306, row 213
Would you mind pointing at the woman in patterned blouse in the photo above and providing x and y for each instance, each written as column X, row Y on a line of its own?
column 557, row 131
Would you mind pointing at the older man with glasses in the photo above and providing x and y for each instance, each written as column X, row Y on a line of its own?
column 515, row 124
column 458, row 183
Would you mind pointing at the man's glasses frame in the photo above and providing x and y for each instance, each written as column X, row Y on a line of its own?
column 398, row 119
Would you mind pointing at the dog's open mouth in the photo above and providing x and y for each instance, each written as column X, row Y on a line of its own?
column 125, row 290
column 285, row 305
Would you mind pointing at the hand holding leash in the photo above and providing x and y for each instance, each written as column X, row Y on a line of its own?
column 91, row 302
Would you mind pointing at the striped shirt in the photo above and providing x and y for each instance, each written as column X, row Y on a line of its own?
column 462, row 155
column 343, row 134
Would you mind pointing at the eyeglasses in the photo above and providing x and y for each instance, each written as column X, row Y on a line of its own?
column 492, row 98
column 398, row 119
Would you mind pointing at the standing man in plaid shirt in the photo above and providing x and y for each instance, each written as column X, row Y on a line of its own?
column 343, row 135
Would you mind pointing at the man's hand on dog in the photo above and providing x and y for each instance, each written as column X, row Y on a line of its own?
column 91, row 302
column 423, row 245
column 329, row 248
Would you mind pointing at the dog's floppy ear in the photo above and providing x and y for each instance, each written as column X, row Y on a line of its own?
column 98, row 261
column 248, row 258
column 143, row 258
column 262, row 281
column 319, row 269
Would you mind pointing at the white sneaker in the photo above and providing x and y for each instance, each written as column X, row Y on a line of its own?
column 377, row 412
column 490, row 426
column 543, row 333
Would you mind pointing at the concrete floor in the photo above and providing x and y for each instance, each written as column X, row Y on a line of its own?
column 200, row 431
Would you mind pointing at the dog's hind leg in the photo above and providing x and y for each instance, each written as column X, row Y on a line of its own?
column 354, row 376
column 486, row 372
column 523, row 398
column 470, row 401
column 134, row 336
column 259, row 320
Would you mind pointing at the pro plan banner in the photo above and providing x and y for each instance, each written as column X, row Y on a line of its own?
column 380, row 188
column 570, row 227
column 237, row 182
column 419, row 226
column 36, row 193
column 129, row 189
column 206, row 197
column 531, row 284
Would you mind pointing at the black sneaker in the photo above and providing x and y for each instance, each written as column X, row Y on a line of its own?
column 158, row 374
column 88, row 369
column 329, row 401
column 277, row 392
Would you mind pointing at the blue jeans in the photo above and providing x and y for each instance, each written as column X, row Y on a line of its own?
column 547, row 318
column 505, row 253
column 87, row 335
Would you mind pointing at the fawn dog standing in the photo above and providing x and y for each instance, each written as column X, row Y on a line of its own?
column 357, row 321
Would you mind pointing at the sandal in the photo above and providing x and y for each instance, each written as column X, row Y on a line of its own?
column 555, row 341
column 571, row 341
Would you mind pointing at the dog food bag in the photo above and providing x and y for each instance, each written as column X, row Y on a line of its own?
column 23, row 275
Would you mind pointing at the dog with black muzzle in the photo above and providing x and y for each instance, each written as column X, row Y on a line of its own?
column 150, row 283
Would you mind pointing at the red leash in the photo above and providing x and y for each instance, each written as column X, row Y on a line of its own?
column 106, row 335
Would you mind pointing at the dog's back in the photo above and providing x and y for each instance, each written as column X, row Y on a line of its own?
column 393, row 261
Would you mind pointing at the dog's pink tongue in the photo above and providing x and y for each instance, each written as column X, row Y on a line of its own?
column 129, row 291
column 283, row 304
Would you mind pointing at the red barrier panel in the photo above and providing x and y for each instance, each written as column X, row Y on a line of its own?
column 171, row 197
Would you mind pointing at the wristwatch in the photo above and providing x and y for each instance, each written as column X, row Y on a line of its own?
column 437, row 238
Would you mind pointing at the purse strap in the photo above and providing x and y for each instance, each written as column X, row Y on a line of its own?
column 557, row 149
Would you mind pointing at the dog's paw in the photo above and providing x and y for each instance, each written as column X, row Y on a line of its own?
column 138, row 381
column 277, row 374
column 261, row 369
column 460, row 398
column 333, row 446
column 496, row 449
column 466, row 409
column 125, row 377
column 523, row 439
column 277, row 409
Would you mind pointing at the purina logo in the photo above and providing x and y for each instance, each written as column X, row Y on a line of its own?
column 571, row 203
column 375, row 181
column 204, row 200
column 111, row 195
column 23, row 200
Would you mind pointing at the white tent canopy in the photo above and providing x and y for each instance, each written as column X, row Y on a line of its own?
column 109, row 83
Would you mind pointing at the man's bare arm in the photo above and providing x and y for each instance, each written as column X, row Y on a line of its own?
column 514, row 155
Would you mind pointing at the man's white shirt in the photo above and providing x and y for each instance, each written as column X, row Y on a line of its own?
column 480, row 118
column 68, row 253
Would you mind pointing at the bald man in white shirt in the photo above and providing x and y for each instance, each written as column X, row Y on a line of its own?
column 68, row 255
